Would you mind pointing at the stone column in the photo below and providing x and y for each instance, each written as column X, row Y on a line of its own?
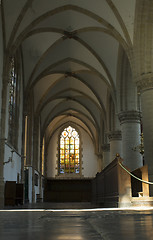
column 1, row 174
column 145, row 87
column 106, row 154
column 130, row 126
column 115, row 139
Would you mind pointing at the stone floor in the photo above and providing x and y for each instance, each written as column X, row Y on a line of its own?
column 75, row 222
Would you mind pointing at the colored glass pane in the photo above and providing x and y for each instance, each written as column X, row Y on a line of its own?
column 69, row 129
column 67, row 141
column 74, row 134
column 77, row 170
column 64, row 133
column 71, row 140
column 77, row 140
column 66, row 146
column 62, row 146
column 71, row 146
column 62, row 142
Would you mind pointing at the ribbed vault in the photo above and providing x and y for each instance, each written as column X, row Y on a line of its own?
column 70, row 57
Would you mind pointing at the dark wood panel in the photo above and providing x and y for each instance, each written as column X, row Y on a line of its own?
column 13, row 193
column 10, row 193
column 67, row 191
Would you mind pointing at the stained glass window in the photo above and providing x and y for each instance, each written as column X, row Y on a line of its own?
column 69, row 151
column 12, row 100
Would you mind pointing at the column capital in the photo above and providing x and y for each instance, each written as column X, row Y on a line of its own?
column 130, row 116
column 145, row 82
column 114, row 135
column 106, row 147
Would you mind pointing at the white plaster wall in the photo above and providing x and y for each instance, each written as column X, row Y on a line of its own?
column 11, row 169
column 52, row 156
column 90, row 163
column 89, row 159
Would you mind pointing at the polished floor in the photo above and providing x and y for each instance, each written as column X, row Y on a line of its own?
column 75, row 222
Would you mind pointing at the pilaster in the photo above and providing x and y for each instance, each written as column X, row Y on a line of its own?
column 106, row 154
column 115, row 139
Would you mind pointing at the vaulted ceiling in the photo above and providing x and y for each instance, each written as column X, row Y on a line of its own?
column 70, row 52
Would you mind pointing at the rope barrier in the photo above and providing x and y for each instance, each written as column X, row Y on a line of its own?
column 134, row 175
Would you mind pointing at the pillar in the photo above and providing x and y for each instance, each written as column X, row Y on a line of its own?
column 145, row 87
column 106, row 154
column 130, row 127
column 115, row 139
column 1, row 174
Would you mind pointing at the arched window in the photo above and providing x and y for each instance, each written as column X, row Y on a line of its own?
column 13, row 102
column 69, row 151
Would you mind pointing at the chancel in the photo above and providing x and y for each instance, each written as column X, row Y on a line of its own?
column 76, row 110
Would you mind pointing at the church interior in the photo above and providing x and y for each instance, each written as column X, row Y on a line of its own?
column 76, row 105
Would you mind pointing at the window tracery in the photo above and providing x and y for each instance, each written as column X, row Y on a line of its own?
column 69, row 151
column 13, row 101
